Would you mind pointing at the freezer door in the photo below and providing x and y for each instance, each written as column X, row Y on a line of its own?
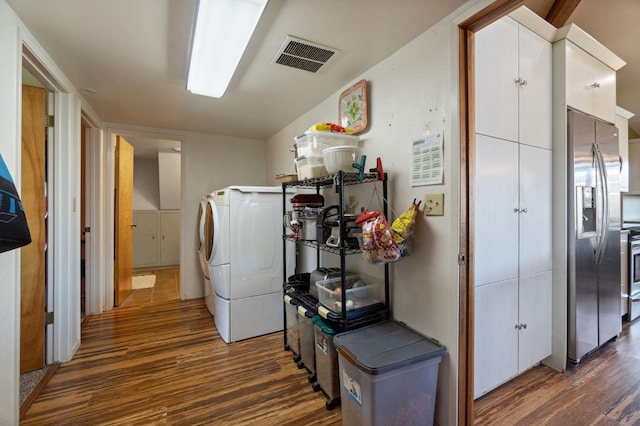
column 610, row 321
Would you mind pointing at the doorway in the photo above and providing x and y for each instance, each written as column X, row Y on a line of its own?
column 156, row 219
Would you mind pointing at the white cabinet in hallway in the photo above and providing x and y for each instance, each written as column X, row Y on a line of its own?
column 512, row 212
column 156, row 238
column 513, row 69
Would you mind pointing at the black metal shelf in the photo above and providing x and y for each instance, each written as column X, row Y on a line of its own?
column 329, row 180
column 344, row 320
column 324, row 247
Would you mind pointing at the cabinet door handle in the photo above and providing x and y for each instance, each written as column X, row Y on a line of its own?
column 595, row 85
column 522, row 210
column 520, row 81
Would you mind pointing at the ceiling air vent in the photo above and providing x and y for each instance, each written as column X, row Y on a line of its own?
column 302, row 54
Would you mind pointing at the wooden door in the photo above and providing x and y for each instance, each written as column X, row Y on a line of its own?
column 32, row 262
column 123, row 220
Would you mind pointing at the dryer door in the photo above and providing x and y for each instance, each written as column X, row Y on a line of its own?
column 200, row 243
column 216, row 234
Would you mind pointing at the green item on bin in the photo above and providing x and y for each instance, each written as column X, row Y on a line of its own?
column 318, row 322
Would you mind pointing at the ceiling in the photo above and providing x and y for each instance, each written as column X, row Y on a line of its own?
column 133, row 54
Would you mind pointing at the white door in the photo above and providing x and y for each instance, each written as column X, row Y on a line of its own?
column 604, row 103
column 535, row 210
column 579, row 78
column 145, row 243
column 534, row 106
column 534, row 313
column 496, row 335
column 496, row 215
column 170, row 238
column 496, row 66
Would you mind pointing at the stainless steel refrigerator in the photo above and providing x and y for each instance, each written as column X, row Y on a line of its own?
column 594, row 234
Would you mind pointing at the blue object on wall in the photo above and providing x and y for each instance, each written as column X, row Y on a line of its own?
column 14, row 231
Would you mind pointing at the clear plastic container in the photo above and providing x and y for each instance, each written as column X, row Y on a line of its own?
column 359, row 293
column 308, row 167
column 312, row 143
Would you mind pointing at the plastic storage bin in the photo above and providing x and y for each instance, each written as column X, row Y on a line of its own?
column 310, row 166
column 359, row 293
column 388, row 375
column 326, row 362
column 312, row 143
column 307, row 342
column 291, row 314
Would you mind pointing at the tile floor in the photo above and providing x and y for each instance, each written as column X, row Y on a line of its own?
column 167, row 287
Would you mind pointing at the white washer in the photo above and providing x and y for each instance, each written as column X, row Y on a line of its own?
column 244, row 256
column 204, row 229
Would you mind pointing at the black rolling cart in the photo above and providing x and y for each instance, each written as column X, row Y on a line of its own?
column 341, row 314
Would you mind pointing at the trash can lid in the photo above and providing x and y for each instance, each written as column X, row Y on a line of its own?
column 323, row 326
column 386, row 346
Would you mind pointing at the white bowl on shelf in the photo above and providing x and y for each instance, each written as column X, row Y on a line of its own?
column 341, row 157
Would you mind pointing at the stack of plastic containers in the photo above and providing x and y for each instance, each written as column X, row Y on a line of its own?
column 300, row 309
column 309, row 147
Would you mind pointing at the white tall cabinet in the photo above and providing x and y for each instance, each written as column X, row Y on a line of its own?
column 513, row 160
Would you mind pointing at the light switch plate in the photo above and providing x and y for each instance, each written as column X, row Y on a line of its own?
column 434, row 205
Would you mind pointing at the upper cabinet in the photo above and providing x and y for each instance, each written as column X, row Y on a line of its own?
column 514, row 65
column 585, row 73
column 591, row 85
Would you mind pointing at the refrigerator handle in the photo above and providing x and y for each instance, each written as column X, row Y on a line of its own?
column 604, row 209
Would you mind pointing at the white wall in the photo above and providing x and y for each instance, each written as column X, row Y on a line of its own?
column 413, row 91
column 169, row 178
column 10, row 66
column 146, row 185
column 210, row 163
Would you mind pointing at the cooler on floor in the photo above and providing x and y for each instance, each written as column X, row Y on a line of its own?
column 326, row 362
column 388, row 375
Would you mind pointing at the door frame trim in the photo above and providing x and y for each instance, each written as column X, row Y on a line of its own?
column 63, row 272
column 107, row 302
column 466, row 332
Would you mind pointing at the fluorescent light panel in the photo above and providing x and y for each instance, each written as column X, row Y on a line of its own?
column 222, row 32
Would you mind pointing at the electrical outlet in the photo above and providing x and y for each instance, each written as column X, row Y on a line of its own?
column 434, row 205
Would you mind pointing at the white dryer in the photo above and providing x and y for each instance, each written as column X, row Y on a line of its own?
column 204, row 230
column 244, row 256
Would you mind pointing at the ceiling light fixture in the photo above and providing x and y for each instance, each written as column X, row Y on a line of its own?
column 222, row 32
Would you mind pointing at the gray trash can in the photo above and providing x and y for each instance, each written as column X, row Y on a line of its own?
column 388, row 375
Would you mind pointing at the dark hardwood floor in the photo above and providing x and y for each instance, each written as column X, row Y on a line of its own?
column 604, row 389
column 165, row 364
